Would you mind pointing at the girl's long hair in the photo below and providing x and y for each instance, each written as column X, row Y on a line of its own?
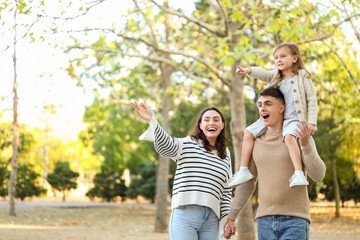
column 294, row 49
column 221, row 140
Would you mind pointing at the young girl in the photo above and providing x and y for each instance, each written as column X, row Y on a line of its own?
column 200, row 196
column 294, row 82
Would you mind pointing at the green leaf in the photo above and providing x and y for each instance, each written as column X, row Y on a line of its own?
column 238, row 16
column 259, row 62
column 170, row 90
column 244, row 41
column 229, row 61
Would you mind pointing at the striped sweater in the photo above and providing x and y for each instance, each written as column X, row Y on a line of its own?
column 201, row 177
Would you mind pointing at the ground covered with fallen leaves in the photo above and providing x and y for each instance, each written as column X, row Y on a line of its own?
column 133, row 222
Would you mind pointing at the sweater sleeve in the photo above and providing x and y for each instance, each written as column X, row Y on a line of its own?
column 314, row 166
column 311, row 100
column 243, row 193
column 164, row 144
column 225, row 203
column 262, row 74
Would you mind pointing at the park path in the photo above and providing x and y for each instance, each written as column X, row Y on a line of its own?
column 70, row 204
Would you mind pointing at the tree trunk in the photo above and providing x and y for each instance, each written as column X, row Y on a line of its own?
column 336, row 188
column 46, row 154
column 15, row 142
column 238, row 124
column 162, row 183
column 237, row 127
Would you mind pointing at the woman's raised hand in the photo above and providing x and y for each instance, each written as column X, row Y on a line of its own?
column 143, row 111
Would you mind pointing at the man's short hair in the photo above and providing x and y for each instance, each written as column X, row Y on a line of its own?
column 274, row 92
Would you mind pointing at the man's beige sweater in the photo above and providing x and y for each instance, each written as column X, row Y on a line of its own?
column 272, row 167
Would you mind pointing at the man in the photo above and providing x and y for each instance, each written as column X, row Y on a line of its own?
column 284, row 212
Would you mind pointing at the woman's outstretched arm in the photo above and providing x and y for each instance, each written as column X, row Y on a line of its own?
column 164, row 144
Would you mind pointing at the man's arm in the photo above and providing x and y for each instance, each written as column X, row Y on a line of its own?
column 242, row 195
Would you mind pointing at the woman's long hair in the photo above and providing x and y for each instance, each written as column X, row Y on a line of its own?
column 294, row 49
column 221, row 140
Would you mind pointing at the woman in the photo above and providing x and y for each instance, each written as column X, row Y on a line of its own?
column 200, row 197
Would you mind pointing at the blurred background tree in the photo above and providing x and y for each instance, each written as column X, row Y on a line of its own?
column 63, row 179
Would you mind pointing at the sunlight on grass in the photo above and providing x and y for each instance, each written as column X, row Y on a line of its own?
column 12, row 226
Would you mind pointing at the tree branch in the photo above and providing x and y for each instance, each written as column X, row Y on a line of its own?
column 163, row 50
column 219, row 90
column 222, row 12
column 173, row 64
column 344, row 64
column 332, row 33
column 70, row 18
column 357, row 34
column 147, row 20
column 225, row 17
column 193, row 20
column 180, row 68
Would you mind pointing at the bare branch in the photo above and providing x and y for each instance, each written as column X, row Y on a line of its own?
column 95, row 3
column 147, row 20
column 173, row 64
column 349, row 96
column 222, row 12
column 357, row 34
column 202, row 24
column 163, row 50
column 344, row 64
column 332, row 33
column 184, row 54
column 224, row 15
column 332, row 92
column 218, row 89
column 180, row 68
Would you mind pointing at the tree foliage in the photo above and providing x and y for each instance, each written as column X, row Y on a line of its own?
column 144, row 182
column 108, row 185
column 28, row 182
column 4, row 180
column 63, row 179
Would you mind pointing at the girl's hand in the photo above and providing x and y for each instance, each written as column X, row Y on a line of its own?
column 311, row 128
column 243, row 71
column 143, row 111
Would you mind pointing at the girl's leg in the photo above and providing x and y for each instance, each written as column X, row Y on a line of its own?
column 247, row 148
column 298, row 179
column 294, row 151
column 244, row 175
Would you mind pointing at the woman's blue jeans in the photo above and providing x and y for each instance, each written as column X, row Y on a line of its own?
column 193, row 222
column 278, row 227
